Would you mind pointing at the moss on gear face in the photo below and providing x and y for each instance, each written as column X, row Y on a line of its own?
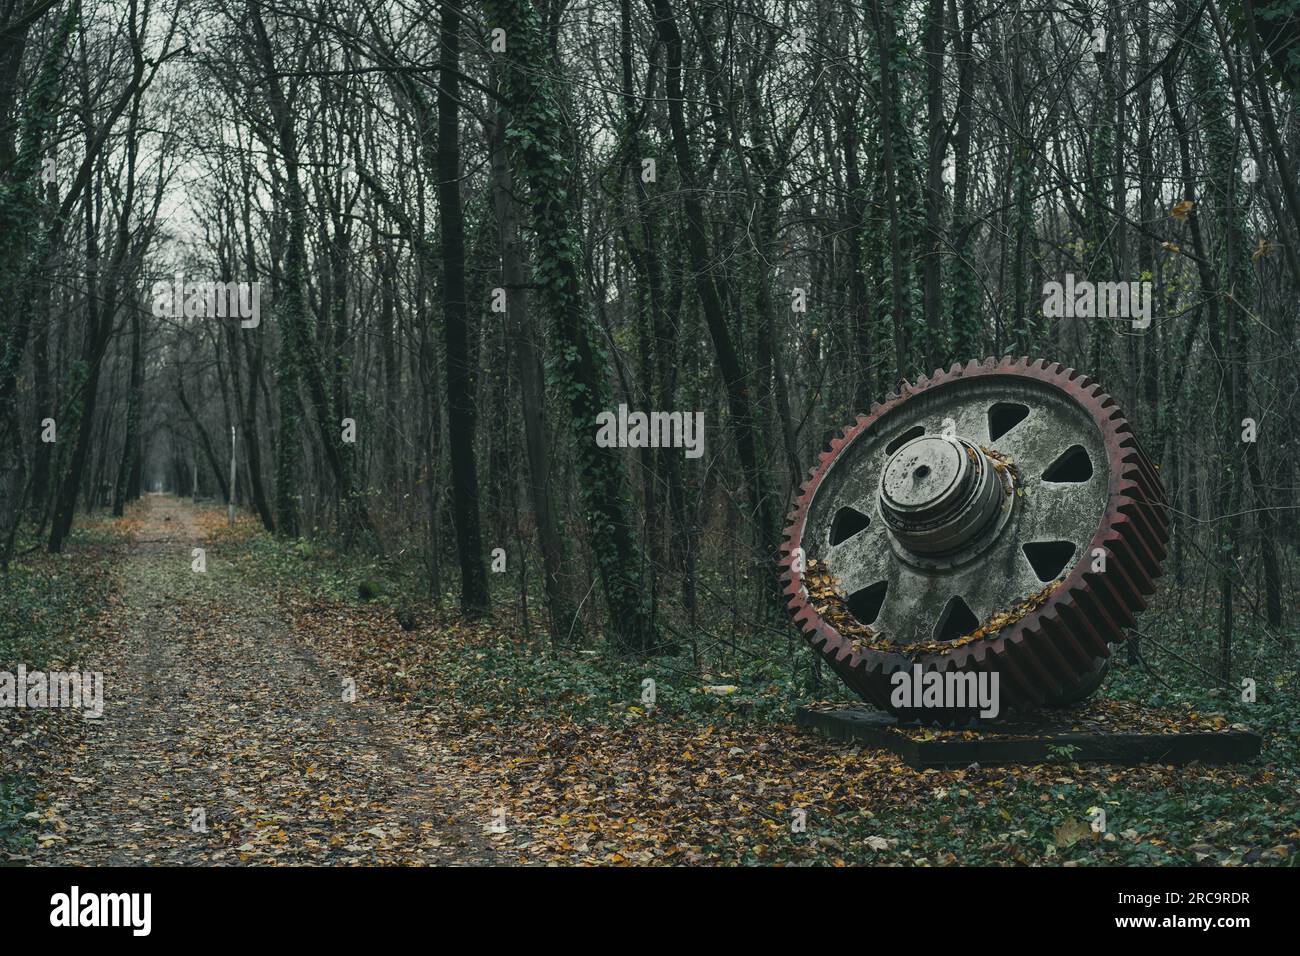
column 998, row 517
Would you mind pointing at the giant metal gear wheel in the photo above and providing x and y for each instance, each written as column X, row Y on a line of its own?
column 996, row 517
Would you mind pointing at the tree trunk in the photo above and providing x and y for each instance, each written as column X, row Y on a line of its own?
column 579, row 365
column 460, row 375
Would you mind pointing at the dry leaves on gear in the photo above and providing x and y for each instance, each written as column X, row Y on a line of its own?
column 831, row 602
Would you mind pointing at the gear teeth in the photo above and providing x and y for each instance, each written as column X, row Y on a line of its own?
column 1073, row 659
column 1019, row 686
column 1084, row 616
column 1055, row 649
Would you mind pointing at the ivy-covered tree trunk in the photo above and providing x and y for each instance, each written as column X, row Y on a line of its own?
column 902, row 193
column 965, row 299
column 578, row 366
column 20, row 202
column 20, row 291
column 525, row 342
column 937, row 348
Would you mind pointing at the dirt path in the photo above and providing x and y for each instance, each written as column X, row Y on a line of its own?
column 212, row 704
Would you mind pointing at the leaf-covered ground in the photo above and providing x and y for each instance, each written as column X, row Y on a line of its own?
column 586, row 775
column 468, row 744
column 213, row 704
column 48, row 604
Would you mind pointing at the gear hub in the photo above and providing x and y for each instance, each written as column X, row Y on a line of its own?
column 938, row 495
column 999, row 517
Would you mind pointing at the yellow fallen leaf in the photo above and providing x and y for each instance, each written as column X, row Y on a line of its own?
column 1070, row 832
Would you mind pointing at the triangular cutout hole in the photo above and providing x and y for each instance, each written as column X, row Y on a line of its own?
column 846, row 523
column 1073, row 465
column 865, row 603
column 1049, row 558
column 957, row 620
column 1005, row 416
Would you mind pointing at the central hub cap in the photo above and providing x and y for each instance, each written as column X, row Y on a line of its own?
column 939, row 495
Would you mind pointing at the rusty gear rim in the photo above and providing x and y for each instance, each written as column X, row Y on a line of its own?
column 1058, row 650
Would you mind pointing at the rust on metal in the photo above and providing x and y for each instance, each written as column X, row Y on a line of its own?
column 1056, row 649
